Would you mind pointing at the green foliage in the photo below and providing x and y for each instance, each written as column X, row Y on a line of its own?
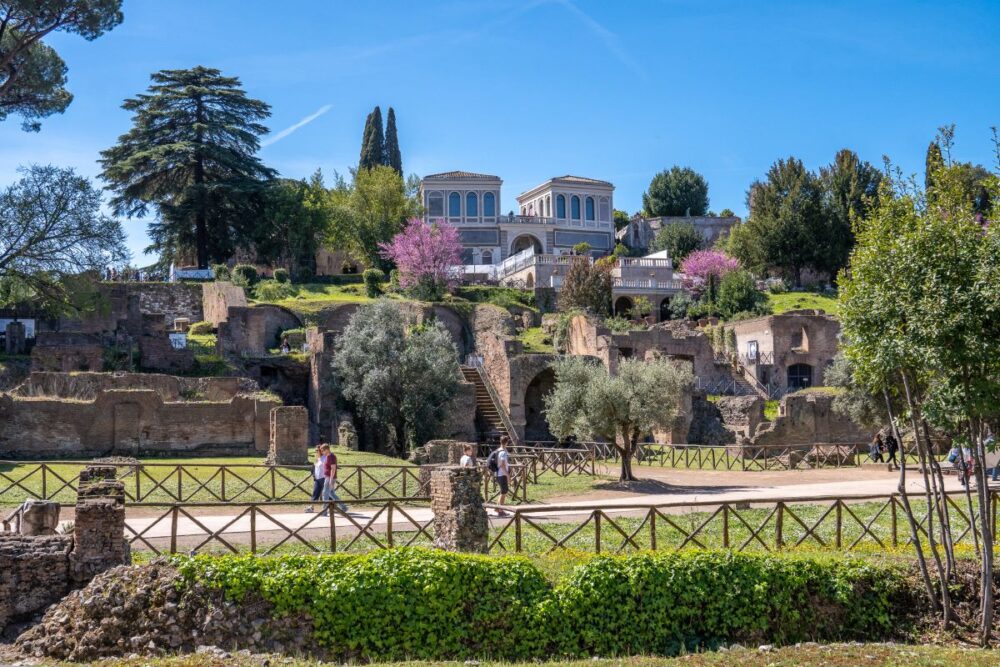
column 617, row 324
column 281, row 276
column 289, row 220
column 587, row 287
column 373, row 142
column 738, row 293
column 641, row 307
column 244, row 275
column 621, row 219
column 32, row 75
column 191, row 154
column 400, row 384
column 850, row 192
column 621, row 250
column 582, row 248
column 505, row 297
column 679, row 239
column 560, row 332
column 727, row 213
column 677, row 191
column 201, row 329
column 680, row 303
column 853, row 401
column 373, row 282
column 272, row 290
column 415, row 603
column 391, row 155
column 221, row 272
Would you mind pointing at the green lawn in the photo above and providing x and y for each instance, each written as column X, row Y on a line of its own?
column 536, row 341
column 312, row 298
column 208, row 361
column 828, row 655
column 781, row 303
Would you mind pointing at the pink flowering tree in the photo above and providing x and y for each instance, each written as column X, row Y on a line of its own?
column 705, row 269
column 426, row 255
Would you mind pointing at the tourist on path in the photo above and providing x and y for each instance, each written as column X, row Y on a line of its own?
column 876, row 448
column 892, row 447
column 330, row 475
column 319, row 477
column 503, row 472
column 468, row 458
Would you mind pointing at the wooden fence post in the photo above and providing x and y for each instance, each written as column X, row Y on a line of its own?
column 173, row 529
column 840, row 524
column 779, row 521
column 253, row 529
column 652, row 529
column 597, row 530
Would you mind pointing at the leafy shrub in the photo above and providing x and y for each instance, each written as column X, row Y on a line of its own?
column 221, row 272
column 201, row 328
column 582, row 248
column 394, row 280
column 738, row 292
column 373, row 282
column 305, row 274
column 281, row 275
column 245, row 275
column 272, row 290
column 617, row 324
column 432, row 605
column 505, row 297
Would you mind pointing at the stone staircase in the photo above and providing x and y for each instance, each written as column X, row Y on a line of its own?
column 487, row 412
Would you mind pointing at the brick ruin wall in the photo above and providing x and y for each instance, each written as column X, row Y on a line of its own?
column 217, row 298
column 132, row 422
column 808, row 418
column 87, row 386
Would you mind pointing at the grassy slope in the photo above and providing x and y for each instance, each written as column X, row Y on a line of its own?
column 798, row 300
column 536, row 341
column 833, row 655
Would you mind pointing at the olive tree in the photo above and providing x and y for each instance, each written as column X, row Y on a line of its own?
column 641, row 397
column 399, row 380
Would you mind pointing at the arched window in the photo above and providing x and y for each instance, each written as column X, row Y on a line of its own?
column 574, row 207
column 471, row 205
column 454, row 205
column 489, row 206
column 560, row 206
column 589, row 208
column 487, row 256
column 435, row 205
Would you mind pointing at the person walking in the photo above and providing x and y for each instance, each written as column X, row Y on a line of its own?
column 876, row 448
column 330, row 480
column 503, row 473
column 468, row 459
column 319, row 477
column 892, row 447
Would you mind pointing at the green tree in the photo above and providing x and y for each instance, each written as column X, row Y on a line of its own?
column 400, row 382
column 786, row 227
column 932, row 162
column 676, row 191
column 850, row 189
column 373, row 143
column 738, row 293
column 679, row 239
column 727, row 213
column 32, row 75
column 587, row 287
column 621, row 219
column 854, row 401
column 369, row 211
column 290, row 222
column 191, row 153
column 392, row 156
column 51, row 229
column 623, row 408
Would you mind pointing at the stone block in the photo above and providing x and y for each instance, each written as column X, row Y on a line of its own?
column 289, row 444
column 39, row 517
column 99, row 525
column 460, row 521
column 15, row 338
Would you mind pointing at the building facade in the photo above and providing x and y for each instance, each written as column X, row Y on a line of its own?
column 640, row 232
column 552, row 217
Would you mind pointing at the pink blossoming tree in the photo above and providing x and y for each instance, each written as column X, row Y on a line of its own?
column 425, row 254
column 704, row 263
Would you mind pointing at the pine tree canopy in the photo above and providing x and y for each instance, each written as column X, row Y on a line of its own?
column 191, row 154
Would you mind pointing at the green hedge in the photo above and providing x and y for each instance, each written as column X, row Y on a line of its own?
column 417, row 603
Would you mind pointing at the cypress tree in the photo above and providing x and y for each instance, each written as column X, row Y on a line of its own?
column 932, row 163
column 392, row 156
column 373, row 148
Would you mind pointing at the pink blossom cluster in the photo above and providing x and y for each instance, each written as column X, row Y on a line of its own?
column 704, row 263
column 424, row 251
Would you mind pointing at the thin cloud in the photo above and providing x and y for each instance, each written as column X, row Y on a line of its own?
column 302, row 123
column 610, row 39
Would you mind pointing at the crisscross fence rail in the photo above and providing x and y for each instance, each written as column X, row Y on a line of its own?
column 207, row 482
column 857, row 523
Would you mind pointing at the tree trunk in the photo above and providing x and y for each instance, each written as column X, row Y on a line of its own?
column 627, row 450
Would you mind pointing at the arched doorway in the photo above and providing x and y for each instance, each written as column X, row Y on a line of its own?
column 536, row 427
column 623, row 306
column 665, row 310
column 799, row 376
column 525, row 241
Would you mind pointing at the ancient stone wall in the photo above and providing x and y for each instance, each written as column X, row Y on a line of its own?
column 459, row 421
column 460, row 521
column 34, row 573
column 171, row 300
column 87, row 386
column 67, row 352
column 289, row 443
column 321, row 396
column 218, row 297
column 132, row 422
column 807, row 418
column 252, row 331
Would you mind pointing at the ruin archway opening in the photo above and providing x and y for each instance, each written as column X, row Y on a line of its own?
column 800, row 376
column 623, row 306
column 665, row 309
column 536, row 426
column 525, row 241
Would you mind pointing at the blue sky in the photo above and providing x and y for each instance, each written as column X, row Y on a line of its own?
column 529, row 89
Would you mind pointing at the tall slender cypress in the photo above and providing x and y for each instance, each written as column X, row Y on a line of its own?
column 932, row 163
column 392, row 156
column 373, row 148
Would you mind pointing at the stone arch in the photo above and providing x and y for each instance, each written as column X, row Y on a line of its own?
column 530, row 280
column 664, row 309
column 536, row 426
column 623, row 306
column 525, row 241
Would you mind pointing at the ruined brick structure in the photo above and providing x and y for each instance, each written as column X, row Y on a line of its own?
column 218, row 297
column 460, row 521
column 253, row 330
column 289, row 443
column 807, row 418
column 14, row 338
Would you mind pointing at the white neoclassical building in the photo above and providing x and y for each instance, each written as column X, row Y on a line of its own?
column 552, row 217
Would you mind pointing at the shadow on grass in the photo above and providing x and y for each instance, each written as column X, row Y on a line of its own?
column 655, row 486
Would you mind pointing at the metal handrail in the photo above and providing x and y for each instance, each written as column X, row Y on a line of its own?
column 477, row 362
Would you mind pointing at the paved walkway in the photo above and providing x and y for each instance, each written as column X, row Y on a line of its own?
column 273, row 518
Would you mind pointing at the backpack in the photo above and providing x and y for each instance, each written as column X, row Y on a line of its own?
column 491, row 462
